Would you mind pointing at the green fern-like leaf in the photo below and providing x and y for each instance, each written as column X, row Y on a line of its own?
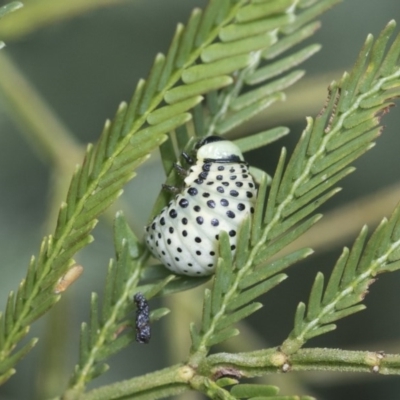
column 297, row 190
column 279, row 26
column 111, row 326
column 159, row 105
column 354, row 272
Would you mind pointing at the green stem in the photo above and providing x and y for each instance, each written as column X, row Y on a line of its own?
column 82, row 373
column 178, row 378
column 316, row 359
column 166, row 382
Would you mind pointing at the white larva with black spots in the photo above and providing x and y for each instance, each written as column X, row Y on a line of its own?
column 218, row 194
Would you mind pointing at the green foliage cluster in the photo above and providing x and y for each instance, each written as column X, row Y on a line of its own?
column 221, row 69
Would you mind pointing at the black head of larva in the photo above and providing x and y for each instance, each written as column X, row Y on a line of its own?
column 207, row 140
column 217, row 149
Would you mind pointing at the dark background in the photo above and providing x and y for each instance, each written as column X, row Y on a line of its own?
column 83, row 67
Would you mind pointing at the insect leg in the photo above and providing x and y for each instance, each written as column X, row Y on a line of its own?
column 181, row 171
column 187, row 158
column 170, row 188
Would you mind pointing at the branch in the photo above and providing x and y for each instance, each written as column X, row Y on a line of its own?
column 262, row 362
column 179, row 378
column 156, row 385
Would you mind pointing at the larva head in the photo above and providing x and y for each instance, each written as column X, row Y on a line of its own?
column 215, row 148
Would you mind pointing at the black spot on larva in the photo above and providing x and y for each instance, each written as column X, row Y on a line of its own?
column 230, row 214
column 156, row 243
column 183, row 203
column 162, row 221
column 206, row 167
column 233, row 247
column 221, row 168
column 176, row 259
column 184, row 221
column 153, row 225
column 210, row 183
column 252, row 210
column 249, row 195
column 179, row 250
column 232, row 177
column 251, row 185
column 147, row 228
column 217, row 237
column 211, row 203
column 163, row 253
column 191, row 170
column 245, row 176
column 198, row 272
column 200, row 220
column 173, row 213
column 171, row 229
column 206, row 194
column 203, row 175
column 168, row 241
column 198, row 253
column 220, row 189
column 197, row 239
column 232, row 233
column 185, row 270
column 151, row 237
column 159, row 235
column 219, row 177
column 168, row 264
column 212, row 253
column 196, row 208
column 192, row 191
column 225, row 183
column 241, row 206
column 232, row 170
column 234, row 193
column 210, row 265
column 184, row 233
column 224, row 202
column 214, row 222
column 198, row 181
column 239, row 184
column 190, row 265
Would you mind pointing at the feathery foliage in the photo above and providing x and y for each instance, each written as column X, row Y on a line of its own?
column 157, row 276
column 354, row 272
column 110, row 327
column 343, row 131
column 229, row 56
column 227, row 37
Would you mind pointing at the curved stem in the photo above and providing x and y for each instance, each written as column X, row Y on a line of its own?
column 166, row 382
column 180, row 377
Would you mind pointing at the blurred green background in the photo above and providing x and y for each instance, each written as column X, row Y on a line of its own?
column 82, row 58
